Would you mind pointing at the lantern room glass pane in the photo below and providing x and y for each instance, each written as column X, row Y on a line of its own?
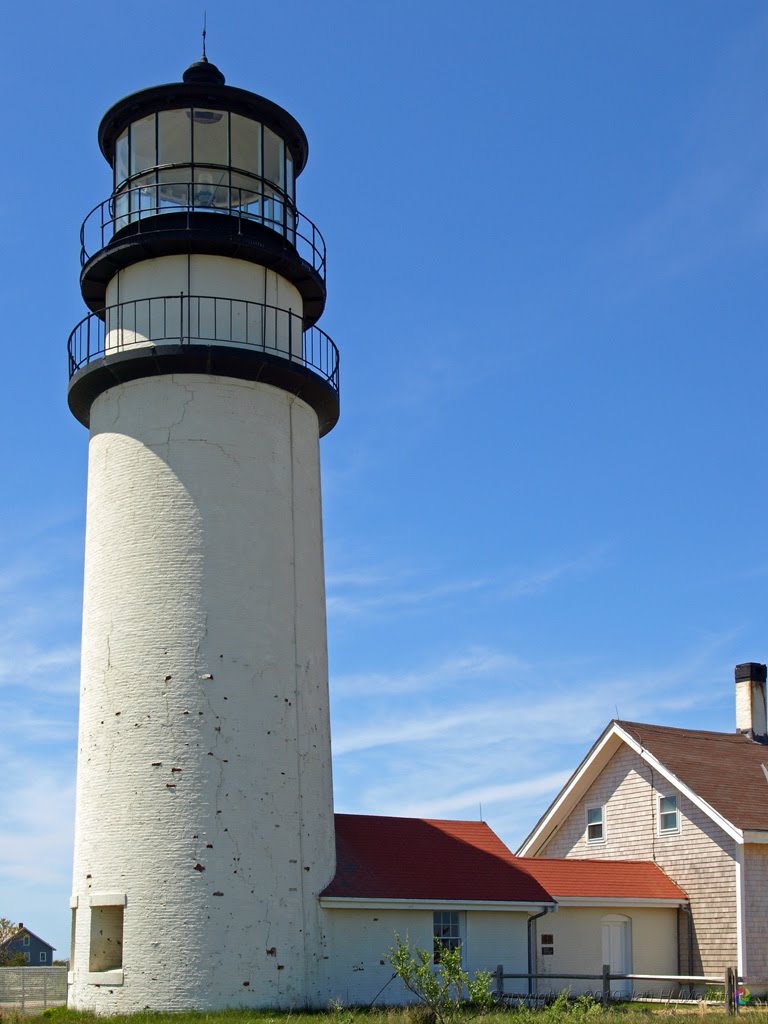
column 209, row 138
column 211, row 187
column 143, row 144
column 174, row 143
column 144, row 197
column 121, row 158
column 289, row 181
column 246, row 144
column 246, row 194
column 174, row 189
column 274, row 168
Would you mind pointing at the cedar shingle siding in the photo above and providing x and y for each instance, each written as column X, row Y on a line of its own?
column 756, row 902
column 701, row 859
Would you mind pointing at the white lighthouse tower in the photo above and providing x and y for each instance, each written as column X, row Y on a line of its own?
column 204, row 825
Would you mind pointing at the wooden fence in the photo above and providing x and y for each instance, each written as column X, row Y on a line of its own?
column 728, row 984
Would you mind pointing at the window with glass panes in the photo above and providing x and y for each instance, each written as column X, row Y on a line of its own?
column 445, row 931
column 595, row 825
column 669, row 819
column 211, row 159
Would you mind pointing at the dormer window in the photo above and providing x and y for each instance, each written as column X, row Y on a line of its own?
column 596, row 824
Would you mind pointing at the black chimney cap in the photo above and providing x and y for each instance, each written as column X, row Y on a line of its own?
column 751, row 670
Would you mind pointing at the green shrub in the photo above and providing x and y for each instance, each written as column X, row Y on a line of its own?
column 443, row 988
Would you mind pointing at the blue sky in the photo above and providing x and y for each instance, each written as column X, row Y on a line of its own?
column 545, row 501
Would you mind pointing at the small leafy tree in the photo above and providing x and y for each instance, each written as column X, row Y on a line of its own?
column 9, row 957
column 444, row 987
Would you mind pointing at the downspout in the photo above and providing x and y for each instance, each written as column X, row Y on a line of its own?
column 686, row 909
column 531, row 919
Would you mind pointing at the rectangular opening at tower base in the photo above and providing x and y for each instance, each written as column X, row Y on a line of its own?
column 106, row 952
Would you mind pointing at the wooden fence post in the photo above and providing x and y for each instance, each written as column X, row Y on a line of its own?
column 499, row 974
column 606, row 984
column 728, row 988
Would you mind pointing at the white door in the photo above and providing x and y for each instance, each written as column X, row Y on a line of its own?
column 617, row 950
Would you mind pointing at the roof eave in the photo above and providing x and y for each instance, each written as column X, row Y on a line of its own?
column 662, row 902
column 590, row 767
column 382, row 903
column 755, row 835
column 597, row 757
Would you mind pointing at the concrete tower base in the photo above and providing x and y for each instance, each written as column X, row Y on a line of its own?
column 204, row 798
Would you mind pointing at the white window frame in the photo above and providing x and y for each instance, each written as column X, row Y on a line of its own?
column 597, row 840
column 26, row 940
column 43, row 957
column 668, row 831
column 453, row 940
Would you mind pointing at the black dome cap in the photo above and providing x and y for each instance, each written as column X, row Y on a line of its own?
column 204, row 72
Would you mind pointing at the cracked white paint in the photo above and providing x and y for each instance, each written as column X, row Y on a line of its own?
column 204, row 773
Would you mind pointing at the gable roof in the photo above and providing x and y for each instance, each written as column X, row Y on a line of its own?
column 618, row 879
column 380, row 857
column 721, row 773
column 20, row 932
column 725, row 769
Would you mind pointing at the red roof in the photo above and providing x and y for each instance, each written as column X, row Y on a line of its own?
column 724, row 768
column 621, row 879
column 427, row 859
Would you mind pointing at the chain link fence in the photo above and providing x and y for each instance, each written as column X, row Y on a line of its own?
column 32, row 989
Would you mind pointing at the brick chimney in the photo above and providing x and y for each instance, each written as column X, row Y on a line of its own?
column 750, row 700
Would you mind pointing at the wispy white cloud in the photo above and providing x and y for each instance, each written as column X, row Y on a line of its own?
column 363, row 591
column 458, row 667
column 717, row 200
column 52, row 668
column 507, row 739
column 536, row 579
column 37, row 811
column 401, row 598
column 455, row 804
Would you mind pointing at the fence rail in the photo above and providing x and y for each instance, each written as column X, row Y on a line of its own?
column 729, row 983
column 32, row 989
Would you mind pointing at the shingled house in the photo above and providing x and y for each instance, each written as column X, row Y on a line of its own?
column 24, row 943
column 696, row 804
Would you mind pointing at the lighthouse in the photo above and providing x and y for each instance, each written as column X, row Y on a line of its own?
column 204, row 821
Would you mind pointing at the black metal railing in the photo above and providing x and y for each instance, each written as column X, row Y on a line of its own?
column 203, row 320
column 259, row 203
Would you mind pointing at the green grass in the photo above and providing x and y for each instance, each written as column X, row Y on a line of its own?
column 562, row 1012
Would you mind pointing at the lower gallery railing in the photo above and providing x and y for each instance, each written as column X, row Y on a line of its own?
column 203, row 320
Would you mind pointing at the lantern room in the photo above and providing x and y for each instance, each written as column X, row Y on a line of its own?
column 200, row 245
column 216, row 153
